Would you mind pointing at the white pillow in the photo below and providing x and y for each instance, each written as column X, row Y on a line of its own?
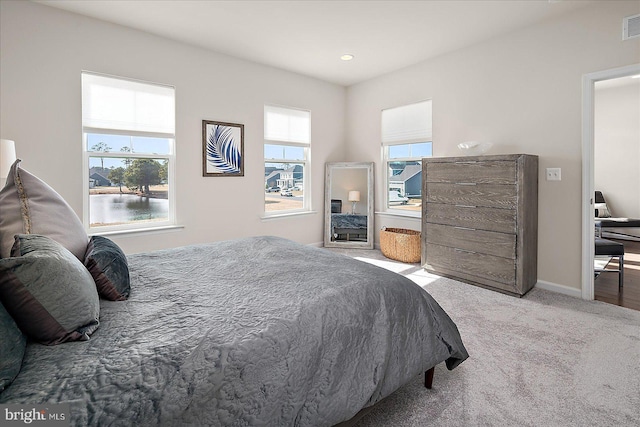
column 602, row 211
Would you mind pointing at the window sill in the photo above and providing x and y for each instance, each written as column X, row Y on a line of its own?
column 400, row 215
column 147, row 230
column 287, row 215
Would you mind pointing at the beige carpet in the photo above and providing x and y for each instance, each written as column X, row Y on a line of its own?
column 543, row 360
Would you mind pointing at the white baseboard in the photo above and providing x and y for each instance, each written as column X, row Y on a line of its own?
column 561, row 289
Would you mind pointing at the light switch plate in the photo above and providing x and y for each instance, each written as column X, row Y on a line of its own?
column 554, row 174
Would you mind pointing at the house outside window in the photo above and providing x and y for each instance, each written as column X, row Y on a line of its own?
column 128, row 130
column 406, row 139
column 287, row 146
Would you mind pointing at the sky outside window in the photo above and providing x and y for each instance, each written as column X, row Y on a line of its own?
column 138, row 144
column 419, row 149
column 272, row 151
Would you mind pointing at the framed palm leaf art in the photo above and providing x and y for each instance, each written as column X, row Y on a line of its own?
column 222, row 149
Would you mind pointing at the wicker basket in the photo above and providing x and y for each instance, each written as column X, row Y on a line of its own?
column 400, row 244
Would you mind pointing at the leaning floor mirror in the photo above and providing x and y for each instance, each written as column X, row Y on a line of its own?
column 348, row 205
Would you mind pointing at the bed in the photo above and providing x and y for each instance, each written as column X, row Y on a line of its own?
column 254, row 331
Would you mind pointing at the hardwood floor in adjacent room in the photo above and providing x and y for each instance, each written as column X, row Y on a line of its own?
column 606, row 285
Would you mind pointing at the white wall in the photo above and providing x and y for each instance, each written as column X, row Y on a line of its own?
column 617, row 147
column 45, row 49
column 523, row 93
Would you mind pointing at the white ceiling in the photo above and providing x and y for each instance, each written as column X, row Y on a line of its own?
column 308, row 37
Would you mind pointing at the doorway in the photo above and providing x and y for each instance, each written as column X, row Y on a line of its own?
column 602, row 79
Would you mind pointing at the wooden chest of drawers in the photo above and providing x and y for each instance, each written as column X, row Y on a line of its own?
column 480, row 220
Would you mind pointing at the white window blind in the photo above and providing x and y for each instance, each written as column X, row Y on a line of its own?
column 287, row 124
column 126, row 105
column 409, row 123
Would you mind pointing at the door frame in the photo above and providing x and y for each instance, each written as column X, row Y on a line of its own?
column 588, row 223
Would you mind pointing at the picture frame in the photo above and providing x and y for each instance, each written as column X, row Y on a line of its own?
column 222, row 148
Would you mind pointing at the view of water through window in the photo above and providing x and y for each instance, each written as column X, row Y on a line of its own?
column 111, row 209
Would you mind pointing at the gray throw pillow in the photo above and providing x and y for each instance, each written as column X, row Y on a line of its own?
column 12, row 346
column 48, row 292
column 29, row 206
column 108, row 265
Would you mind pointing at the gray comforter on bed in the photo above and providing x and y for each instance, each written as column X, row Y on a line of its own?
column 256, row 331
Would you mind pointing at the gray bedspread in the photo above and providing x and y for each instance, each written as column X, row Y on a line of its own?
column 255, row 331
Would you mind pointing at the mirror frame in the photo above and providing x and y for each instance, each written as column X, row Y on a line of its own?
column 329, row 167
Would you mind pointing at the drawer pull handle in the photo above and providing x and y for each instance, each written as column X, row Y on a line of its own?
column 467, row 162
column 465, row 206
column 465, row 228
column 466, row 183
column 464, row 251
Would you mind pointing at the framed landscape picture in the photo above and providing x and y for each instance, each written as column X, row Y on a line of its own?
column 222, row 149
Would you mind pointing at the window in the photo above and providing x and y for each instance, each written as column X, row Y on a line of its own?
column 287, row 138
column 406, row 138
column 128, row 130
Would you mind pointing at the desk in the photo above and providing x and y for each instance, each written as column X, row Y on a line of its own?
column 609, row 249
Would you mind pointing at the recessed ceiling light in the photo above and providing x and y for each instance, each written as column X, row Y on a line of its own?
column 346, row 57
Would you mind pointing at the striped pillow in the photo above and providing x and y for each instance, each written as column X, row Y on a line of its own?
column 108, row 265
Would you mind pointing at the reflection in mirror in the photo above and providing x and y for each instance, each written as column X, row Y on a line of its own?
column 349, row 205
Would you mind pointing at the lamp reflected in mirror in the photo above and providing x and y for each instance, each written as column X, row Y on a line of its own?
column 354, row 198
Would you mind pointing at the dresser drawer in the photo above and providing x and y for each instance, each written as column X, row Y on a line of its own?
column 482, row 266
column 485, row 172
column 491, row 219
column 486, row 242
column 488, row 195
